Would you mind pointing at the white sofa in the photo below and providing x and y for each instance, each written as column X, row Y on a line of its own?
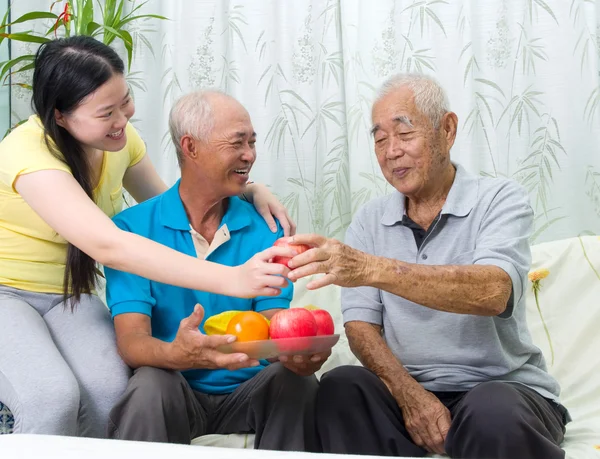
column 569, row 299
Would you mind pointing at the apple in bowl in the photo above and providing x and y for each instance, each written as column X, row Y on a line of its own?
column 300, row 322
column 292, row 323
column 323, row 319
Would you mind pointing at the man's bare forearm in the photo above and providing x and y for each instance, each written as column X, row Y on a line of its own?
column 143, row 350
column 368, row 346
column 471, row 289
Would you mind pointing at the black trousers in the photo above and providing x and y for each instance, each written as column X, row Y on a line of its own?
column 276, row 404
column 356, row 414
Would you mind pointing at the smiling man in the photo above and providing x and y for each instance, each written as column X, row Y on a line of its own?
column 435, row 303
column 183, row 387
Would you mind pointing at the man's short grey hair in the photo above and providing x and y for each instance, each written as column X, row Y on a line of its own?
column 192, row 115
column 430, row 97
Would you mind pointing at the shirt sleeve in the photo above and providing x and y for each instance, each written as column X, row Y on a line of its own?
column 135, row 145
column 360, row 303
column 126, row 292
column 503, row 238
column 25, row 151
column 281, row 301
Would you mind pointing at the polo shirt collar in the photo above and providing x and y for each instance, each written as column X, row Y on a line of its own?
column 173, row 215
column 460, row 200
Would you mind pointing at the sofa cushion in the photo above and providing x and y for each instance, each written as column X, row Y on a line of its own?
column 564, row 322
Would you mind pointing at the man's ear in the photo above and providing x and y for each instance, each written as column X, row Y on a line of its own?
column 449, row 128
column 188, row 147
column 59, row 117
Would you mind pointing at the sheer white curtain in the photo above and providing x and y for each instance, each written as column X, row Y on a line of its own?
column 523, row 77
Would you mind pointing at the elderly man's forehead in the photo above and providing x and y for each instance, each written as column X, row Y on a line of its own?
column 231, row 118
column 397, row 106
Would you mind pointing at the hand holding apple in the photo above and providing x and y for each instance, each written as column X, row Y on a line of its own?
column 341, row 264
column 298, row 248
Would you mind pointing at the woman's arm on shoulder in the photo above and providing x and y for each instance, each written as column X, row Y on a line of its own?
column 142, row 181
column 268, row 206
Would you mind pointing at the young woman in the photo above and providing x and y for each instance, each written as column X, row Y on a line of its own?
column 62, row 175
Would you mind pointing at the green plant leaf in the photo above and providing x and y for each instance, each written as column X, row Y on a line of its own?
column 24, row 37
column 91, row 28
column 6, row 66
column 128, row 42
column 29, row 66
column 113, row 33
column 3, row 26
column 60, row 23
column 135, row 8
column 22, row 85
column 33, row 15
column 84, row 16
column 108, row 13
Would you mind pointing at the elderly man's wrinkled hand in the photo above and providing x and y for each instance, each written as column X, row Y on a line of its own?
column 341, row 264
column 425, row 417
column 305, row 365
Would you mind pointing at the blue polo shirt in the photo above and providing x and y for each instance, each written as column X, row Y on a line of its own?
column 163, row 219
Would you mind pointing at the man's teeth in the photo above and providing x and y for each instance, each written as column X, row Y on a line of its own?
column 116, row 134
column 241, row 171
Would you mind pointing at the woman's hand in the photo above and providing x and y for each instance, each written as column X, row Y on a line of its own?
column 259, row 277
column 268, row 206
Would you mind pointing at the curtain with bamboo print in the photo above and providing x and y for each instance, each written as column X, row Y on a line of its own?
column 522, row 75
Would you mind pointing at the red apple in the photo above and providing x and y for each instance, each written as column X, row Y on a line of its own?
column 292, row 323
column 324, row 321
column 298, row 248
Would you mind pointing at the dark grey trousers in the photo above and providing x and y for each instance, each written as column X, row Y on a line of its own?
column 356, row 414
column 276, row 404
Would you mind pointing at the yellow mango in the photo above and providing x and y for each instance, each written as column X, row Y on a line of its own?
column 217, row 324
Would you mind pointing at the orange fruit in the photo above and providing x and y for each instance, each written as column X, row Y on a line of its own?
column 248, row 326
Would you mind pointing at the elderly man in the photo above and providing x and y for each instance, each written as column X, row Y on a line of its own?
column 435, row 303
column 183, row 387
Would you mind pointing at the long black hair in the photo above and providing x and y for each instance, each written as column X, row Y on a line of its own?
column 66, row 71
